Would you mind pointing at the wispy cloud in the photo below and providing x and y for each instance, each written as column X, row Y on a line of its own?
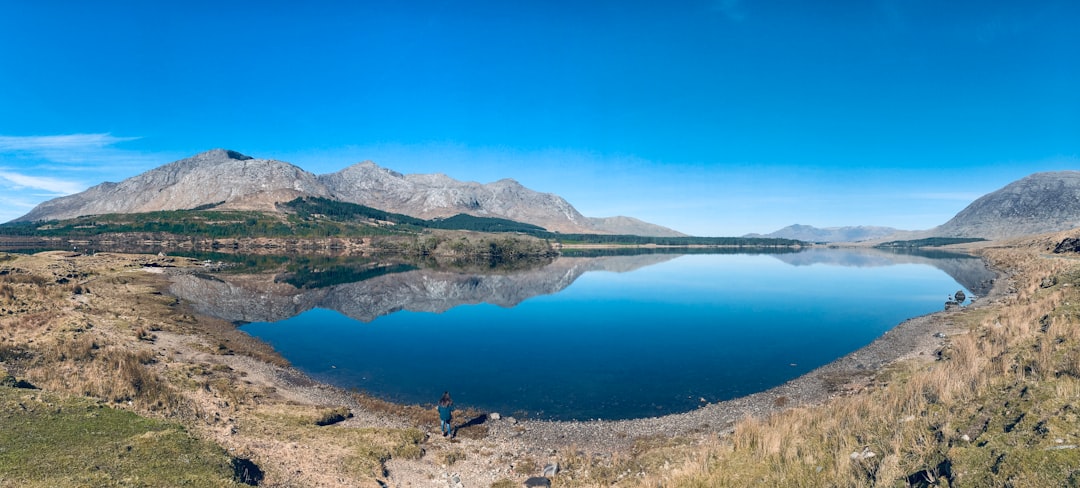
column 11, row 206
column 65, row 142
column 950, row 196
column 39, row 167
column 54, row 186
column 97, row 149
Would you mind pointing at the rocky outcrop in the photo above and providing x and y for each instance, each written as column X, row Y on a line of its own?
column 1069, row 244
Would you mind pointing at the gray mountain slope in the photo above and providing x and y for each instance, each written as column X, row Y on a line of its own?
column 207, row 178
column 437, row 195
column 1036, row 204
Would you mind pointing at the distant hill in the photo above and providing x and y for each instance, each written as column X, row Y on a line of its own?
column 810, row 233
column 1036, row 204
column 229, row 180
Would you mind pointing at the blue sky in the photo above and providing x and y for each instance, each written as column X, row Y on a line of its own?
column 713, row 117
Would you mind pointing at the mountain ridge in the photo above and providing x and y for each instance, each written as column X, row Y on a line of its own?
column 230, row 180
column 810, row 233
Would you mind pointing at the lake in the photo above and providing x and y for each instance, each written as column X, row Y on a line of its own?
column 610, row 337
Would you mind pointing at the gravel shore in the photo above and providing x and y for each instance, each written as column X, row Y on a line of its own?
column 917, row 337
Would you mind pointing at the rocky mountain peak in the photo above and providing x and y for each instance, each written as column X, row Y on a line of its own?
column 219, row 154
column 211, row 158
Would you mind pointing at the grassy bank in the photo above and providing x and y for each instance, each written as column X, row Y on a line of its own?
column 133, row 379
column 51, row 440
column 998, row 407
column 133, row 389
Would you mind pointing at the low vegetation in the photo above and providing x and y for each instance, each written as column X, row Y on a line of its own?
column 136, row 390
column 319, row 218
column 54, row 440
column 999, row 407
column 930, row 242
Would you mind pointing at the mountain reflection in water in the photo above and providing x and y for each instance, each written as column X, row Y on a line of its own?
column 272, row 297
column 618, row 336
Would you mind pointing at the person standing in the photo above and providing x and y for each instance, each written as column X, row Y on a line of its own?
column 446, row 406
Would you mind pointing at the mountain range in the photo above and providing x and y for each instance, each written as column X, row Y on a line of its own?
column 1036, row 204
column 225, row 179
column 810, row 233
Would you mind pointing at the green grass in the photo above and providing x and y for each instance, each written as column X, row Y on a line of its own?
column 53, row 440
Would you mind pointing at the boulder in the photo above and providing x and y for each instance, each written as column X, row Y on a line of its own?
column 538, row 482
column 1071, row 244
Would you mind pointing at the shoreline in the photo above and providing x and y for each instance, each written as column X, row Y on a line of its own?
column 258, row 408
column 855, row 371
column 912, row 338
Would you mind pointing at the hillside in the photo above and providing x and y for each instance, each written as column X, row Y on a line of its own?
column 232, row 181
column 1039, row 203
column 209, row 178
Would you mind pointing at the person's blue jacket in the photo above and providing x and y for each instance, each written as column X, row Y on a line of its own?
column 444, row 412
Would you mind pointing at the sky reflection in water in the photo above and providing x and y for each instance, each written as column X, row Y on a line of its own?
column 611, row 345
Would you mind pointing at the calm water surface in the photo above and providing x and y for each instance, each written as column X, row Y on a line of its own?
column 642, row 342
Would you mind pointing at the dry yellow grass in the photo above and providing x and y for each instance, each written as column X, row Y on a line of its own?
column 926, row 423
column 999, row 406
column 94, row 326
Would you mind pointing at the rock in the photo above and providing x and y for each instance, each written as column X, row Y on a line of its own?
column 550, row 469
column 965, row 438
column 1071, row 244
column 538, row 482
column 866, row 453
column 494, row 416
column 960, row 296
column 939, row 335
